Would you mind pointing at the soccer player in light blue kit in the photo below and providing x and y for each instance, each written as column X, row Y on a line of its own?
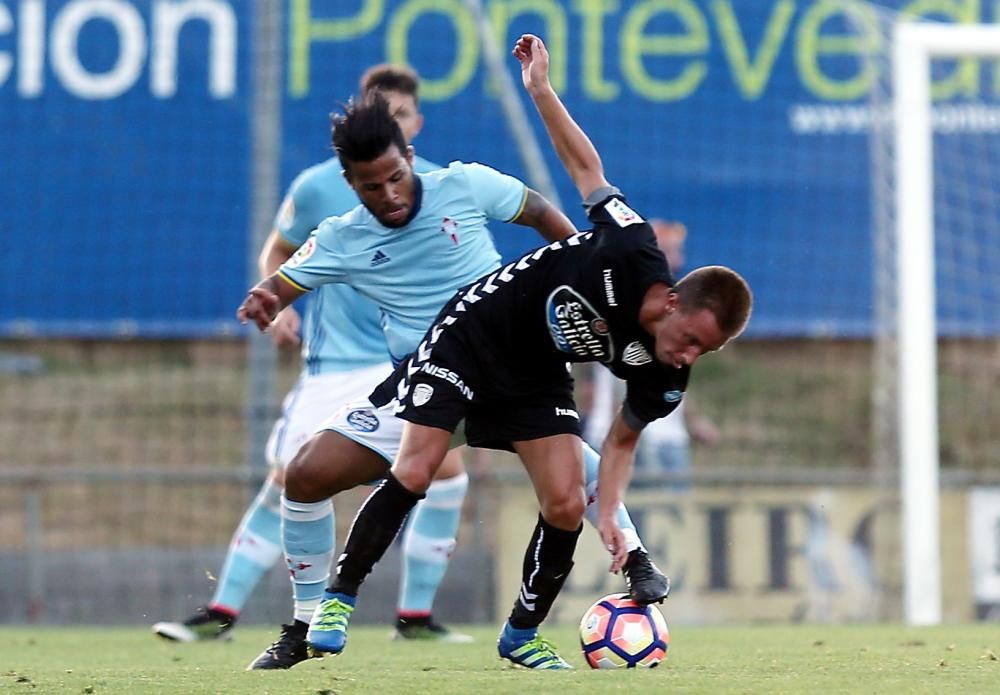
column 344, row 355
column 412, row 243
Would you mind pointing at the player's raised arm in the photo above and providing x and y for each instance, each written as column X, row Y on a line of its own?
column 574, row 148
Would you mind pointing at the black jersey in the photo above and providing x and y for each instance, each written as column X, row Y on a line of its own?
column 576, row 300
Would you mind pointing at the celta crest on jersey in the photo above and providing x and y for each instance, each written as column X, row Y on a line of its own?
column 636, row 355
column 450, row 227
column 622, row 213
column 576, row 327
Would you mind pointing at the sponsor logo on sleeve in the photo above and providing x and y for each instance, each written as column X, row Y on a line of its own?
column 673, row 396
column 363, row 420
column 568, row 412
column 287, row 214
column 636, row 355
column 304, row 252
column 622, row 213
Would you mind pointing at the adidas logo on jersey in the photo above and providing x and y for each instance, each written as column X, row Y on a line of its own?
column 379, row 258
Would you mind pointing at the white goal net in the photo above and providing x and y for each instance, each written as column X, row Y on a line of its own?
column 936, row 182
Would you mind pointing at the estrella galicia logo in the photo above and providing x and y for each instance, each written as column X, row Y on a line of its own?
column 576, row 327
column 364, row 420
column 673, row 396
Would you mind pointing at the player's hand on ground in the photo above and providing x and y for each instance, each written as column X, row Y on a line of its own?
column 614, row 542
column 285, row 329
column 260, row 306
column 530, row 51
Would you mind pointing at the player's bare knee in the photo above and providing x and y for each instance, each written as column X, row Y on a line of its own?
column 565, row 511
column 309, row 477
column 298, row 483
column 416, row 472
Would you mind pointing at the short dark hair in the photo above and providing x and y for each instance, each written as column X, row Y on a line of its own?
column 722, row 291
column 365, row 131
column 387, row 77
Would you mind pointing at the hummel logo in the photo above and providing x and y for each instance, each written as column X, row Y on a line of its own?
column 379, row 258
column 567, row 411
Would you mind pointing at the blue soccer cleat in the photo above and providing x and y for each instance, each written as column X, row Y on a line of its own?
column 525, row 648
column 328, row 628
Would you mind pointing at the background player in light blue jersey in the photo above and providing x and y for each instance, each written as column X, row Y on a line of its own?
column 415, row 240
column 343, row 356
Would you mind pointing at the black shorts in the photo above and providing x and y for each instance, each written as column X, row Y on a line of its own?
column 441, row 386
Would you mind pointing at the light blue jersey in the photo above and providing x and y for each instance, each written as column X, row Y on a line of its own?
column 341, row 330
column 410, row 272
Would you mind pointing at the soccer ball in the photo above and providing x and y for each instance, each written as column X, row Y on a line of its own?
column 616, row 632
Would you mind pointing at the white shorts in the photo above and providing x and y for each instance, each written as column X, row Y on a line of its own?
column 374, row 428
column 312, row 400
column 377, row 429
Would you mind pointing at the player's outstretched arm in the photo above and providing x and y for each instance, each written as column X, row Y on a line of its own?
column 264, row 301
column 575, row 150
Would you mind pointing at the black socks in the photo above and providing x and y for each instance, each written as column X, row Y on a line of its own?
column 547, row 563
column 374, row 528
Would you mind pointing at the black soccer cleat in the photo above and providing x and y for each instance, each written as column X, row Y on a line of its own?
column 427, row 629
column 206, row 624
column 646, row 583
column 289, row 649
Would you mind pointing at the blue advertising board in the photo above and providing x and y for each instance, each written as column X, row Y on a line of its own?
column 126, row 139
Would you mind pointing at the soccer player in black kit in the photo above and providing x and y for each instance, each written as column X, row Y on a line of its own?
column 496, row 358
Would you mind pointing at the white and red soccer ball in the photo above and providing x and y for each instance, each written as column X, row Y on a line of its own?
column 616, row 632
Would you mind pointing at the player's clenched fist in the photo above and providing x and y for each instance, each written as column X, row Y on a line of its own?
column 260, row 306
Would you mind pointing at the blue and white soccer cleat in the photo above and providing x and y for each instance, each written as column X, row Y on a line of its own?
column 328, row 628
column 525, row 648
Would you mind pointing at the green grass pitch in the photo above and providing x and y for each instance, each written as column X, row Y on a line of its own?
column 764, row 659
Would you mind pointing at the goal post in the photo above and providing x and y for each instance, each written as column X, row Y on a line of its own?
column 915, row 46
